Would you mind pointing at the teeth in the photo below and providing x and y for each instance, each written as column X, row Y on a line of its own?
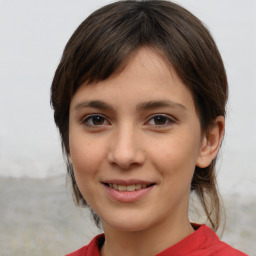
column 121, row 188
column 138, row 186
column 129, row 188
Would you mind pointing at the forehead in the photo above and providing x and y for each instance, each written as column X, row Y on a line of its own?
column 147, row 76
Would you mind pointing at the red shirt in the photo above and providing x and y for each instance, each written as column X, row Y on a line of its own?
column 202, row 242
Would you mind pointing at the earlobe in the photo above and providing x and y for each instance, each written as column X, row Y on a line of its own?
column 211, row 143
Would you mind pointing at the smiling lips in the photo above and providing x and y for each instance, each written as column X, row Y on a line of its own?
column 127, row 191
column 129, row 188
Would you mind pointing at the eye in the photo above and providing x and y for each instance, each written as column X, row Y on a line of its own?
column 95, row 120
column 161, row 120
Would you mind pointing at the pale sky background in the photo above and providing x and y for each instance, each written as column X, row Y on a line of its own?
column 33, row 34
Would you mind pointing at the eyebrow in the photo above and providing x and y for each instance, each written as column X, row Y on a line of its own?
column 94, row 104
column 141, row 106
column 160, row 103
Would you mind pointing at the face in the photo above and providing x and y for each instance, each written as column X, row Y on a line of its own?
column 135, row 140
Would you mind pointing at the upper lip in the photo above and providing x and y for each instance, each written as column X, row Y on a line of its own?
column 127, row 182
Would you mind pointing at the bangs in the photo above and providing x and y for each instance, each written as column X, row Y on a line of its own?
column 106, row 46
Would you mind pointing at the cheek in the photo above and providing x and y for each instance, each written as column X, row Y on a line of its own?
column 85, row 155
column 176, row 157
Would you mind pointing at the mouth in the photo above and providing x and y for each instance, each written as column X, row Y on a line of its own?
column 128, row 191
column 128, row 188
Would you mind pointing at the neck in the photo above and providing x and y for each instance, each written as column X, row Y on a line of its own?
column 145, row 242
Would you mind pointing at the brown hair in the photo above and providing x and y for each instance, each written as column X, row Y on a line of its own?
column 105, row 41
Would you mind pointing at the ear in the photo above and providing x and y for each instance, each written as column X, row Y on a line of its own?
column 211, row 142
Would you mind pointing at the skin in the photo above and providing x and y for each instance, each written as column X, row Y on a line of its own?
column 160, row 144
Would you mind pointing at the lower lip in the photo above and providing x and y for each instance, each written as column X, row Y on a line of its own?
column 125, row 196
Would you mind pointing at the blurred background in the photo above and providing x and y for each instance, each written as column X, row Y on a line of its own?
column 37, row 215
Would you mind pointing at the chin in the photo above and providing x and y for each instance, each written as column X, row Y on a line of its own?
column 128, row 224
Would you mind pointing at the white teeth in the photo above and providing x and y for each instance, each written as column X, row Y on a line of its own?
column 121, row 188
column 138, row 186
column 129, row 188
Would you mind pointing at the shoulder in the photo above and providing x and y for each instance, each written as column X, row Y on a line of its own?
column 80, row 252
column 213, row 246
column 203, row 242
column 223, row 249
column 92, row 249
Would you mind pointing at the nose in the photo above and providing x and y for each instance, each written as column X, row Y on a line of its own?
column 126, row 148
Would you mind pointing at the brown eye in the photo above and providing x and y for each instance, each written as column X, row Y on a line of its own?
column 95, row 120
column 160, row 120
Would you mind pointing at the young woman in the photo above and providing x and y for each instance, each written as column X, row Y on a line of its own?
column 139, row 99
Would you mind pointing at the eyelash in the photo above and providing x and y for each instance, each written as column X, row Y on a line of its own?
column 88, row 120
column 167, row 118
column 85, row 121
